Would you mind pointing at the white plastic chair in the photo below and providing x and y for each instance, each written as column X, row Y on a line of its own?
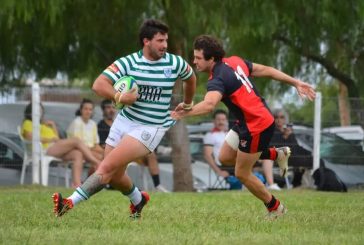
column 45, row 160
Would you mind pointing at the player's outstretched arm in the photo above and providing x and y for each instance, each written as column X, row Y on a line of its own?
column 303, row 89
column 209, row 103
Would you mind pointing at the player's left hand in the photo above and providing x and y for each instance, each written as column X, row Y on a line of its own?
column 126, row 98
column 306, row 90
column 179, row 107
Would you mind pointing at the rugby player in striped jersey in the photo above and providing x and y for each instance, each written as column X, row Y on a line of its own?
column 140, row 126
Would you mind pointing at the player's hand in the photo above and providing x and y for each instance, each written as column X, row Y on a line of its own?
column 178, row 115
column 306, row 90
column 126, row 98
column 183, row 107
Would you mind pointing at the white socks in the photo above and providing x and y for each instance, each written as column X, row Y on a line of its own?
column 134, row 195
column 78, row 196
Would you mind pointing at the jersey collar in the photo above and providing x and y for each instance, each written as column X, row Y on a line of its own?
column 213, row 69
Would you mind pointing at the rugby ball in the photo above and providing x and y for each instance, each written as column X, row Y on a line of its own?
column 124, row 85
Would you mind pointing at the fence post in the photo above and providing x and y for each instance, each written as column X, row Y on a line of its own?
column 36, row 133
column 317, row 131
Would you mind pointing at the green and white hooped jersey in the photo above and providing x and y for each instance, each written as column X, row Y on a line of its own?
column 155, row 81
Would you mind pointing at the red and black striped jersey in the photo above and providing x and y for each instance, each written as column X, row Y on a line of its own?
column 231, row 78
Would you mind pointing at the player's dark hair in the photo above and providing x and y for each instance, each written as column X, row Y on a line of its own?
column 104, row 103
column 151, row 27
column 210, row 46
column 219, row 111
column 83, row 102
column 28, row 111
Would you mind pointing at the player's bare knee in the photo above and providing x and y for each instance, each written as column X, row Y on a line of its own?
column 226, row 159
column 242, row 176
column 106, row 172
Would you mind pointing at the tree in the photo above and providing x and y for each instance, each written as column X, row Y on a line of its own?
column 76, row 38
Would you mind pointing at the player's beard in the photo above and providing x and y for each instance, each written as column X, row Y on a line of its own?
column 156, row 54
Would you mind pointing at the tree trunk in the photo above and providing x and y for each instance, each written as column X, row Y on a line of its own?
column 181, row 157
column 178, row 134
column 344, row 106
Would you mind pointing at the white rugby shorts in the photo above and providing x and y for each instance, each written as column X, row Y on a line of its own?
column 150, row 136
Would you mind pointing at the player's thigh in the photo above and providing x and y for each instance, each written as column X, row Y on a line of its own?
column 127, row 151
column 228, row 151
column 227, row 155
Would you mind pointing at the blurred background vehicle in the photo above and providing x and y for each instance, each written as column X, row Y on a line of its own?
column 341, row 156
column 353, row 134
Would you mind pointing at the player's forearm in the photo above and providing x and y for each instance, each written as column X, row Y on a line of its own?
column 283, row 77
column 273, row 73
column 204, row 107
column 279, row 76
column 103, row 87
column 189, row 89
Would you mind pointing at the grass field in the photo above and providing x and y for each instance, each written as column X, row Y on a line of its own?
column 182, row 218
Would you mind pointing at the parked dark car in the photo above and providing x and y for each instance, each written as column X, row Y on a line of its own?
column 11, row 151
column 341, row 156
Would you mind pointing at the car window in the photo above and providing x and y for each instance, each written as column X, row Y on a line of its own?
column 333, row 148
column 196, row 149
column 8, row 158
column 337, row 150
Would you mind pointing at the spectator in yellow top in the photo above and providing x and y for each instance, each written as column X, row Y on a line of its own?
column 71, row 149
column 84, row 128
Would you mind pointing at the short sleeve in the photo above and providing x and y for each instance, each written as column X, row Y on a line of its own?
column 116, row 70
column 186, row 70
column 74, row 130
column 216, row 85
column 249, row 64
column 97, row 137
column 208, row 139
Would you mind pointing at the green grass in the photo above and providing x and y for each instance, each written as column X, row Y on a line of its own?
column 182, row 218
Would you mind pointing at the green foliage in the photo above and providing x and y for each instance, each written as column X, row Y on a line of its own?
column 47, row 37
column 231, row 217
column 80, row 38
column 304, row 113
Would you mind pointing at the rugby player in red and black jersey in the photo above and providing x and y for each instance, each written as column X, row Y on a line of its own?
column 248, row 140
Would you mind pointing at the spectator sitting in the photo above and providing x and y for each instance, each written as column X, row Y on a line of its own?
column 284, row 136
column 213, row 142
column 71, row 149
column 84, row 128
column 108, row 114
column 103, row 128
